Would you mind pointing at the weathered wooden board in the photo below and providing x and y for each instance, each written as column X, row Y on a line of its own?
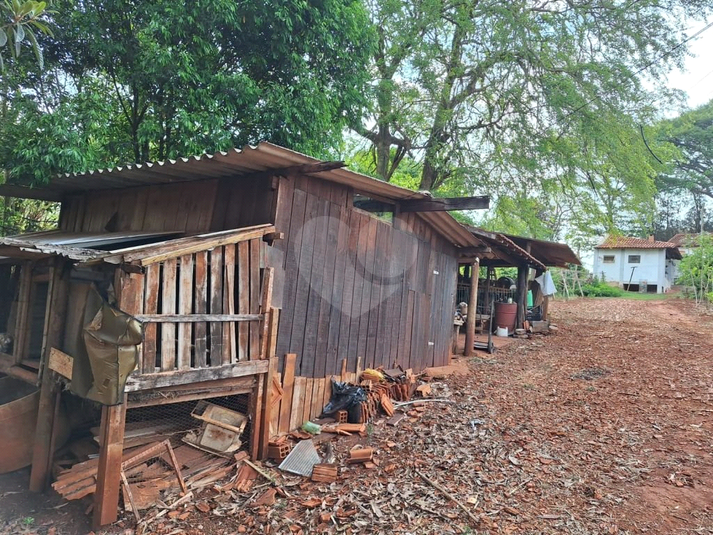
column 168, row 306
column 216, row 305
column 201, row 307
column 185, row 305
column 288, row 384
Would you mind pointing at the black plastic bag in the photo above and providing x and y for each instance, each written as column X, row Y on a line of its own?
column 345, row 397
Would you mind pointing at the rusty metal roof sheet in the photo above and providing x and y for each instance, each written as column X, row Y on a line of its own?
column 81, row 247
column 121, row 247
column 548, row 252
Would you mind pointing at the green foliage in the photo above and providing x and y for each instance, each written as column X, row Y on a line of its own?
column 599, row 288
column 696, row 268
column 689, row 141
column 151, row 80
column 18, row 22
column 537, row 106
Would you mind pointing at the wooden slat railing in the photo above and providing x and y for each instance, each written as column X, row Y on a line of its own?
column 201, row 310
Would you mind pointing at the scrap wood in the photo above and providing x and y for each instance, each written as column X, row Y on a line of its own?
column 149, row 452
column 396, row 419
column 450, row 496
column 261, row 472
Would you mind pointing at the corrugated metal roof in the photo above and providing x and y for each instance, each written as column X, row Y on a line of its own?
column 542, row 253
column 548, row 252
column 81, row 247
column 235, row 162
column 625, row 242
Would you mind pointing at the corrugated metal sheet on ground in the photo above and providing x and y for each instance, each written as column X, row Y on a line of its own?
column 301, row 459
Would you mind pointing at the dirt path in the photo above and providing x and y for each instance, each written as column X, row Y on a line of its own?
column 617, row 411
column 603, row 427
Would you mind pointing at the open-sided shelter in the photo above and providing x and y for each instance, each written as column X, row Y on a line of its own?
column 498, row 250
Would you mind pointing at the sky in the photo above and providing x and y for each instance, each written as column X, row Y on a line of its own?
column 697, row 77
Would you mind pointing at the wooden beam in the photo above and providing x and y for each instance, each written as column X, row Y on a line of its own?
column 266, row 416
column 180, row 377
column 22, row 192
column 472, row 309
column 106, row 496
column 302, row 169
column 522, row 272
column 442, row 204
column 195, row 318
column 371, row 205
column 474, row 251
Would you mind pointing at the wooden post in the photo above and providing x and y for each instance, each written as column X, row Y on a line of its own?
column 522, row 272
column 487, row 308
column 472, row 309
column 22, row 318
column 111, row 434
column 41, row 454
column 266, row 416
column 55, row 314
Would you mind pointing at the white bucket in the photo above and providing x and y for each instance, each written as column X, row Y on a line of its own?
column 501, row 331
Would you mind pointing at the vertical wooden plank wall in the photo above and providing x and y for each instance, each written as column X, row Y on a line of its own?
column 358, row 286
column 200, row 206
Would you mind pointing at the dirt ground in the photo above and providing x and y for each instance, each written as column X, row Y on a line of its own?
column 604, row 427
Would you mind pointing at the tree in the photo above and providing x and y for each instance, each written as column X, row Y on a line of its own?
column 18, row 22
column 496, row 96
column 696, row 268
column 150, row 80
column 691, row 139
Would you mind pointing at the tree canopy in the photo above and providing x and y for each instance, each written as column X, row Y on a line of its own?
column 525, row 99
column 690, row 137
column 150, row 80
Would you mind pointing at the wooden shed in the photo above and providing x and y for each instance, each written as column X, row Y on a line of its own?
column 231, row 262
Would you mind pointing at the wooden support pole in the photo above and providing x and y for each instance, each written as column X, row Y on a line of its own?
column 472, row 309
column 488, row 297
column 522, row 272
column 106, row 496
column 41, row 454
column 266, row 416
column 55, row 314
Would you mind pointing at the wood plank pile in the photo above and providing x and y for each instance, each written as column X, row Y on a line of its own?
column 199, row 469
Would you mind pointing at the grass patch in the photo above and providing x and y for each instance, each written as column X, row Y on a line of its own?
column 647, row 296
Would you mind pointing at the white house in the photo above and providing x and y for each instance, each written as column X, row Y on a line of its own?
column 637, row 264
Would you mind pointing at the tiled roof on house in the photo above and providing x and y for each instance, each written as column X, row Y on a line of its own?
column 685, row 240
column 625, row 242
